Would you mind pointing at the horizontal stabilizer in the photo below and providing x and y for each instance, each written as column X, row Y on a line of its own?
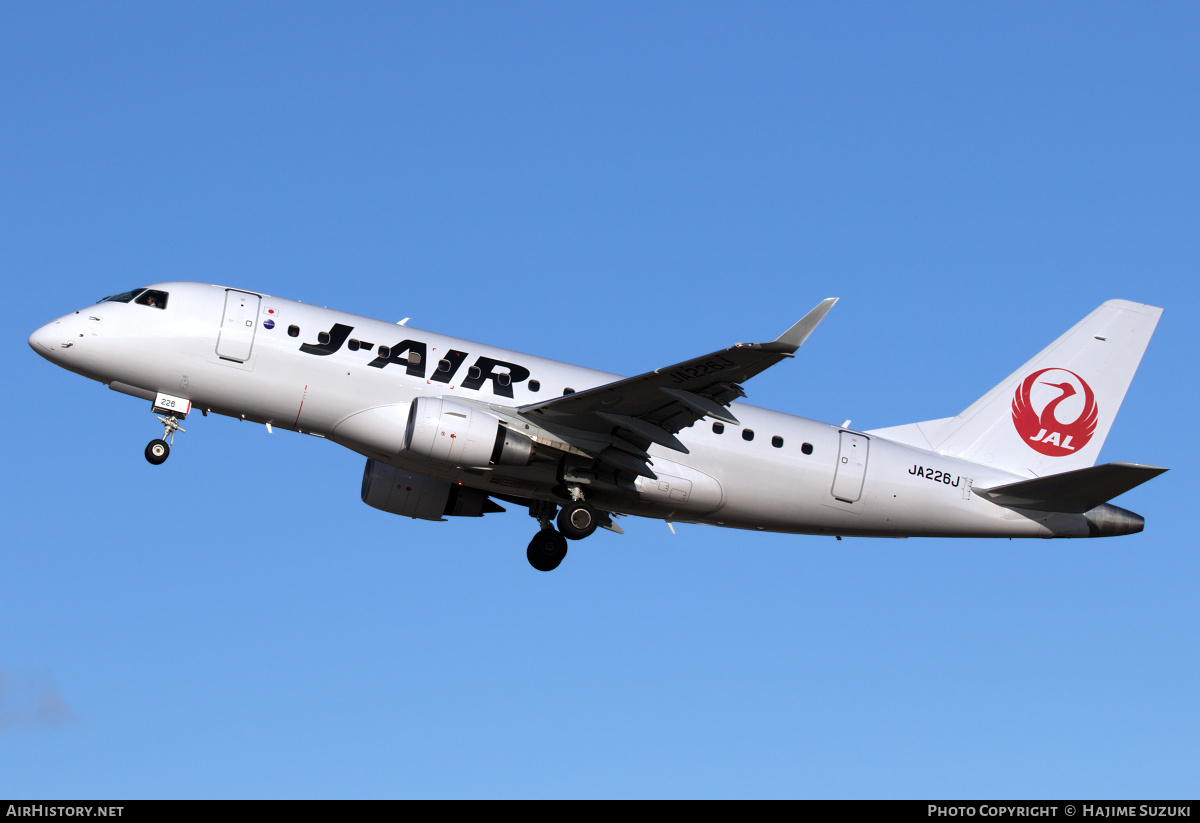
column 1076, row 491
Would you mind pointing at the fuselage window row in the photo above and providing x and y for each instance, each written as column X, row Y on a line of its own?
column 748, row 435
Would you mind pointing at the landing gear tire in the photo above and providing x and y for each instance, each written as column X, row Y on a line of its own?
column 157, row 451
column 578, row 520
column 546, row 550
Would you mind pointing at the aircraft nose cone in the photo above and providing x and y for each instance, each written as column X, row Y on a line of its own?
column 45, row 340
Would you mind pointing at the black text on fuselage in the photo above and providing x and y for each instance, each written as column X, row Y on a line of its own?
column 413, row 356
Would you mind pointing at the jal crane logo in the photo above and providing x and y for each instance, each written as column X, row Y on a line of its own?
column 1058, row 393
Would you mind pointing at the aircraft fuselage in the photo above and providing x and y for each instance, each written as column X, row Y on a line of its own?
column 352, row 380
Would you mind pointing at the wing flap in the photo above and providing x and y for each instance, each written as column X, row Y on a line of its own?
column 701, row 405
column 630, row 463
column 644, row 430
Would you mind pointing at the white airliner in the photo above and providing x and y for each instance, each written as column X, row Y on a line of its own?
column 449, row 426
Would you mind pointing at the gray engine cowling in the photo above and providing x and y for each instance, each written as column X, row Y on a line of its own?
column 396, row 491
column 448, row 432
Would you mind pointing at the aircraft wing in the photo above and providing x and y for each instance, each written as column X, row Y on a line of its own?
column 653, row 407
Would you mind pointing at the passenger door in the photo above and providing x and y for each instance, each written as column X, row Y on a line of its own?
column 851, row 467
column 238, row 325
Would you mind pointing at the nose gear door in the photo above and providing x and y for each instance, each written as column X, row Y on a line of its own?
column 238, row 325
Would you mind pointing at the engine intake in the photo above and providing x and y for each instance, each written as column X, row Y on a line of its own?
column 447, row 432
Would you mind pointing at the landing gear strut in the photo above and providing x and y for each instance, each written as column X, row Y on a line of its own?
column 547, row 548
column 157, row 451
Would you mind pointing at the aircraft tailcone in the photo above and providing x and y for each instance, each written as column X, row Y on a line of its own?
column 1109, row 520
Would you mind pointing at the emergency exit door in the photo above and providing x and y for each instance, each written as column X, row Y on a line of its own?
column 237, row 326
column 851, row 467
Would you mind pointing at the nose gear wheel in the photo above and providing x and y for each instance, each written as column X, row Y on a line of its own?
column 157, row 451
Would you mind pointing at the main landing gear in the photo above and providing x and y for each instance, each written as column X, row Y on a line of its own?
column 577, row 520
column 157, row 451
column 546, row 550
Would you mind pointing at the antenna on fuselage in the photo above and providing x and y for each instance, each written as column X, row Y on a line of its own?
column 405, row 320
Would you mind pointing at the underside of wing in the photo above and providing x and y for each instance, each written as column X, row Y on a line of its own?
column 617, row 422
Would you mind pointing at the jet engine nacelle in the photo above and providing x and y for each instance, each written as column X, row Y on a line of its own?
column 396, row 491
column 448, row 432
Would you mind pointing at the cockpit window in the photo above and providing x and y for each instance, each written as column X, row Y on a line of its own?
column 124, row 297
column 152, row 298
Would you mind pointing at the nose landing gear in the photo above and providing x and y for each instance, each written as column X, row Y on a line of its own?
column 157, row 451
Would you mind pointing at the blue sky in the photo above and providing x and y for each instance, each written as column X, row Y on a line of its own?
column 623, row 186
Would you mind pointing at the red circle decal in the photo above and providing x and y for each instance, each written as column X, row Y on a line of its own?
column 1043, row 431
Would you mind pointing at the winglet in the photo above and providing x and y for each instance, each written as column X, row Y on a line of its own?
column 794, row 337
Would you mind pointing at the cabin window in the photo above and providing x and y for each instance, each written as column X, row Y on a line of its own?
column 443, row 365
column 719, row 428
column 293, row 331
column 777, row 442
column 504, row 378
column 385, row 352
column 474, row 372
column 534, row 385
column 414, row 357
column 352, row 345
column 323, row 338
column 806, row 448
column 152, row 298
column 747, row 434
